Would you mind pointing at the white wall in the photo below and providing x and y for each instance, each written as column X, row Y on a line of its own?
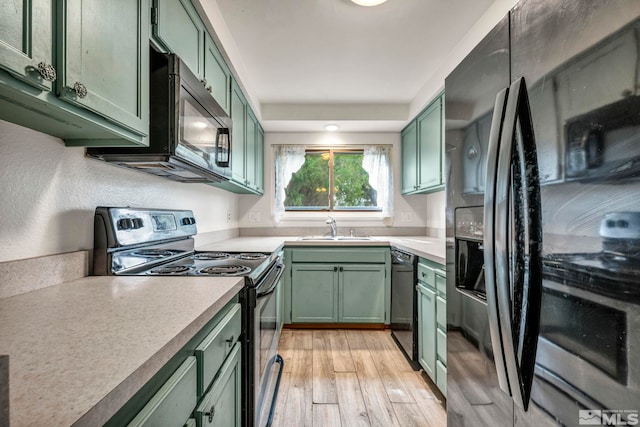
column 48, row 194
column 412, row 208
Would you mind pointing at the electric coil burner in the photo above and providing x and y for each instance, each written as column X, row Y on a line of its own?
column 132, row 242
column 251, row 256
column 211, row 256
column 225, row 270
column 176, row 269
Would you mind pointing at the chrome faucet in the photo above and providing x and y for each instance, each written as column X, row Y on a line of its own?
column 332, row 224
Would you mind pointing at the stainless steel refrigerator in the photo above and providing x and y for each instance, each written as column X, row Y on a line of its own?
column 543, row 206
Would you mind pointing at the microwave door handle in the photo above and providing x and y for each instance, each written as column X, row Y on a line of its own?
column 518, row 230
column 495, row 133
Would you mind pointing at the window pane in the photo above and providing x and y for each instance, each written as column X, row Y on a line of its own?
column 309, row 186
column 351, row 183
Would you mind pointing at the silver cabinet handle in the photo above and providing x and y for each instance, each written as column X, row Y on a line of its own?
column 209, row 89
column 204, row 82
column 47, row 72
column 211, row 413
column 79, row 89
column 230, row 340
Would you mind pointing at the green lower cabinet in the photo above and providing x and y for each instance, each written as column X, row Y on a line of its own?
column 314, row 293
column 432, row 321
column 338, row 284
column 222, row 405
column 202, row 380
column 361, row 294
column 173, row 403
column 441, row 377
column 326, row 293
column 427, row 328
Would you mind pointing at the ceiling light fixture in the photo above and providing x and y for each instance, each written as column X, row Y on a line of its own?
column 368, row 2
column 331, row 128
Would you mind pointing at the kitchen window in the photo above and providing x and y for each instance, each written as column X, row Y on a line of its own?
column 331, row 180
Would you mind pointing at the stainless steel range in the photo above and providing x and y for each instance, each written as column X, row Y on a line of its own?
column 158, row 242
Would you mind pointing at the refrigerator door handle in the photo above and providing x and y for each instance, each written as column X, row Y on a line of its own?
column 518, row 244
column 497, row 122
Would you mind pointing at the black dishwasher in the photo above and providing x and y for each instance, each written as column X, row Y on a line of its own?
column 404, row 304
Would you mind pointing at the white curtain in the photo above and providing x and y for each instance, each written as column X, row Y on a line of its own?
column 289, row 158
column 377, row 162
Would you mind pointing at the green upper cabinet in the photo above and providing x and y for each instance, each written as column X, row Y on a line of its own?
column 217, row 76
column 422, row 151
column 409, row 164
column 26, row 41
column 251, row 152
column 238, row 133
column 247, row 152
column 77, row 70
column 104, row 59
column 177, row 28
column 260, row 160
column 430, row 137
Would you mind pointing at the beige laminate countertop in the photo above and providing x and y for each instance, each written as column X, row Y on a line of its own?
column 80, row 350
column 431, row 248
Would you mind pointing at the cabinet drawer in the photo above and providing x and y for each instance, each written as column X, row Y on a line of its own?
column 214, row 349
column 441, row 312
column 340, row 255
column 441, row 345
column 173, row 403
column 441, row 283
column 441, row 377
column 426, row 274
column 221, row 405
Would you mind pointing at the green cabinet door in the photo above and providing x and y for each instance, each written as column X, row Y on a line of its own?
column 216, row 74
column 409, row 161
column 250, row 149
column 103, row 59
column 314, row 293
column 260, row 160
column 178, row 28
column 427, row 330
column 26, row 40
column 430, row 140
column 361, row 293
column 222, row 405
column 238, row 114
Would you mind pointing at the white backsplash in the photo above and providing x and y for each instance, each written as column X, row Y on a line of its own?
column 49, row 193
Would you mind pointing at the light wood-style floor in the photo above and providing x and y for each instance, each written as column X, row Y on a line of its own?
column 336, row 378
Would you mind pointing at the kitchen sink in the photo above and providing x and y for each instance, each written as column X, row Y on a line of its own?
column 338, row 238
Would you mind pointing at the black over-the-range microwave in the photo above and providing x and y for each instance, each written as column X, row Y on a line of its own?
column 189, row 132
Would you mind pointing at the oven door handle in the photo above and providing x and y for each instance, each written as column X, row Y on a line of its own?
column 278, row 270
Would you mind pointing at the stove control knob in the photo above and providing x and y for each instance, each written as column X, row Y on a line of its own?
column 125, row 224
column 188, row 221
